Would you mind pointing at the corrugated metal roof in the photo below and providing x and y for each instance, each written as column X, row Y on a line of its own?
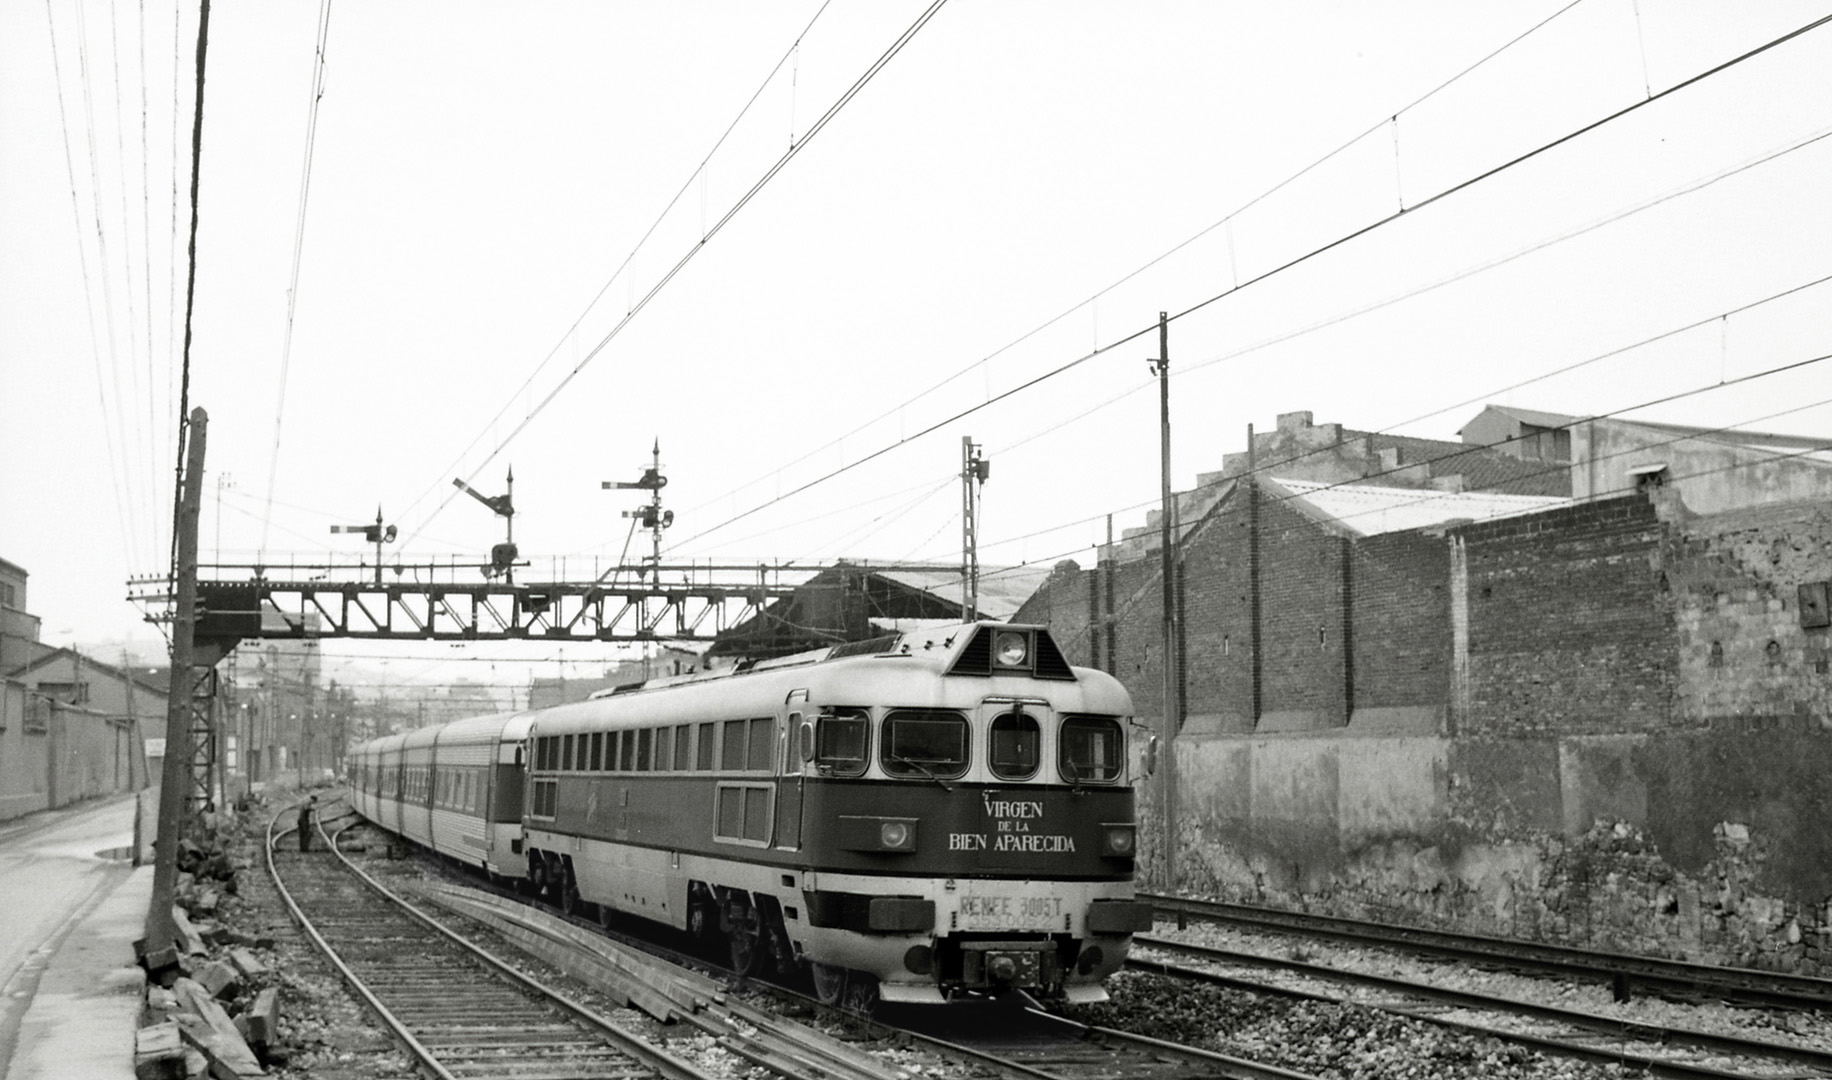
column 1369, row 511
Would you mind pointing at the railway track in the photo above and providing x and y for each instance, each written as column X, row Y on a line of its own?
column 461, row 1012
column 1660, row 1051
column 1017, row 1040
column 1623, row 972
column 1009, row 1038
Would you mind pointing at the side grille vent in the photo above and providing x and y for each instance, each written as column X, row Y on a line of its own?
column 976, row 658
column 1050, row 662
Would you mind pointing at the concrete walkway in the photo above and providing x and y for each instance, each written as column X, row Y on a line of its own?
column 73, row 905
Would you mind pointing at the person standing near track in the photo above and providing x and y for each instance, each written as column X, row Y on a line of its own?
column 307, row 810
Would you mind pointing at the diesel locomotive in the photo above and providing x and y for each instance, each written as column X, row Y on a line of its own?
column 907, row 818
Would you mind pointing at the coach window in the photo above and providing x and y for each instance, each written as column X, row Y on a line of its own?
column 596, row 764
column 702, row 760
column 626, row 750
column 664, row 748
column 683, row 748
column 643, row 738
column 1093, row 749
column 1012, row 746
column 924, row 743
column 567, row 761
column 842, row 743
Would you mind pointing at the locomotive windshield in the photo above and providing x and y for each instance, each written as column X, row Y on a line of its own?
column 925, row 743
column 1014, row 741
column 1093, row 749
column 840, row 743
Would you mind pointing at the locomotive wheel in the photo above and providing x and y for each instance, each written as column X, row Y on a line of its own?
column 747, row 945
column 829, row 982
column 569, row 895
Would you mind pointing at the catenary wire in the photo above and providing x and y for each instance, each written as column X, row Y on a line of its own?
column 1095, row 297
column 1267, row 467
column 769, row 174
column 292, row 291
column 628, row 259
column 1346, row 238
column 1342, row 317
column 190, row 291
column 115, row 469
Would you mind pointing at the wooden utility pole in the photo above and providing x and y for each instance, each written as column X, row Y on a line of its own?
column 175, row 779
column 1166, row 526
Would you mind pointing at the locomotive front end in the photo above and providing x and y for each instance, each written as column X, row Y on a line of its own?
column 984, row 843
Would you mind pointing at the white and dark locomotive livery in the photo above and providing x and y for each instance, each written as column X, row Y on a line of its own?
column 943, row 810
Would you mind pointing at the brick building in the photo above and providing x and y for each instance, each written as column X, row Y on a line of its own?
column 1602, row 721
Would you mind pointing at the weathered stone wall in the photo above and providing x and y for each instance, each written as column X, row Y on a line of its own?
column 1636, row 758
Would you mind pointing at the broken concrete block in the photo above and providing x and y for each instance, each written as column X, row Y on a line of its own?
column 159, row 1052
column 219, row 978
column 247, row 963
column 213, row 1034
column 189, row 942
column 264, row 1018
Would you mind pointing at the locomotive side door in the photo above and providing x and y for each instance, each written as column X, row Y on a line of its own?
column 789, row 771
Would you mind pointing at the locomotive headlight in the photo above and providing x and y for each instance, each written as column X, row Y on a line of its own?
column 894, row 834
column 1118, row 840
column 1011, row 648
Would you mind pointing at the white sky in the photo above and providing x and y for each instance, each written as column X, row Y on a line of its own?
column 481, row 172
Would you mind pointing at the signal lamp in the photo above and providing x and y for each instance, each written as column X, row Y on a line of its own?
column 894, row 834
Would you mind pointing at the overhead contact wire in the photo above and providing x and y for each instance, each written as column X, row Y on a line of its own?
column 1281, row 268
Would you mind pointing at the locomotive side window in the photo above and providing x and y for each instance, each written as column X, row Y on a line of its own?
column 682, row 747
column 1093, row 749
column 925, row 743
column 664, row 748
column 763, row 743
column 703, row 760
column 841, row 742
column 731, row 749
column 626, row 750
column 1014, row 746
column 642, row 750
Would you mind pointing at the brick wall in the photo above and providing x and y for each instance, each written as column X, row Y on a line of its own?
column 1402, row 628
column 1303, row 667
column 1217, row 604
column 1570, row 631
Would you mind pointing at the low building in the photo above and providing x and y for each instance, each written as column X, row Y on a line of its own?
column 1595, row 720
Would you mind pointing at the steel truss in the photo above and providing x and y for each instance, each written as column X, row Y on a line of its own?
column 687, row 602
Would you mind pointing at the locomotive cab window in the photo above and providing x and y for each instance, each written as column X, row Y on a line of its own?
column 924, row 743
column 1014, row 744
column 1093, row 749
column 842, row 742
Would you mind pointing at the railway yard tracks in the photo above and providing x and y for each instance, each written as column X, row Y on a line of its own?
column 1622, row 972
column 1659, row 1049
column 468, row 1013
column 463, row 1012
